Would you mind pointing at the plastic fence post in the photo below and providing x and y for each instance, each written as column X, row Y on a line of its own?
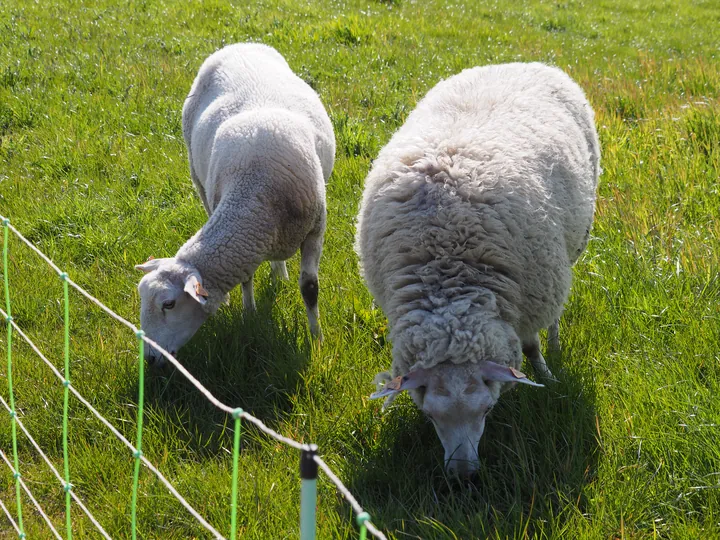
column 66, row 405
column 237, row 415
column 308, row 492
column 362, row 517
column 138, row 446
column 16, row 474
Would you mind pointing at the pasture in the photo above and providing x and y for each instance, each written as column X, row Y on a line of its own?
column 94, row 171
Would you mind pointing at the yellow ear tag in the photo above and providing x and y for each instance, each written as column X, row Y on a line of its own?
column 200, row 291
column 395, row 384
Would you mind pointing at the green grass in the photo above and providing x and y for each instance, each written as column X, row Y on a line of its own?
column 93, row 170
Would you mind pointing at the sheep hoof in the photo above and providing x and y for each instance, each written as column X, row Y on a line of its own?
column 317, row 334
column 541, row 369
column 545, row 374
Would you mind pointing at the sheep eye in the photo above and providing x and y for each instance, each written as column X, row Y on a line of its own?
column 169, row 304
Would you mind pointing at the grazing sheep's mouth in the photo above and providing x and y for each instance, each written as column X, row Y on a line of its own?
column 464, row 468
column 158, row 360
column 154, row 361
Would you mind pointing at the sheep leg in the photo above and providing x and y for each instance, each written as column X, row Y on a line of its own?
column 310, row 252
column 279, row 270
column 532, row 351
column 553, row 336
column 248, row 295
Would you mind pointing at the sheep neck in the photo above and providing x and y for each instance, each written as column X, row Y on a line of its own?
column 224, row 251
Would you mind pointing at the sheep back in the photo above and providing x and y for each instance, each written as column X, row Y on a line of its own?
column 488, row 186
column 241, row 78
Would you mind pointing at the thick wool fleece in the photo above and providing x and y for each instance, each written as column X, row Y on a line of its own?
column 261, row 148
column 475, row 211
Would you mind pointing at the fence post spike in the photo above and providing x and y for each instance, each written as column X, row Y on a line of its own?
column 66, row 407
column 6, row 229
column 138, row 444
column 237, row 415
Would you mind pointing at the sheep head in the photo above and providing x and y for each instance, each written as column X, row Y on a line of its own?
column 457, row 398
column 173, row 302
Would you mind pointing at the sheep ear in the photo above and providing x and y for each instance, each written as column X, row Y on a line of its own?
column 151, row 264
column 495, row 372
column 414, row 379
column 193, row 286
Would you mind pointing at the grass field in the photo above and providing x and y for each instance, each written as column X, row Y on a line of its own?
column 93, row 171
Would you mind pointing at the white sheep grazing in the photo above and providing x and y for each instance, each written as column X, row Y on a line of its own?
column 261, row 149
column 471, row 219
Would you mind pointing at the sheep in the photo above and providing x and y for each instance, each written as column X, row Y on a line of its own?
column 471, row 219
column 261, row 149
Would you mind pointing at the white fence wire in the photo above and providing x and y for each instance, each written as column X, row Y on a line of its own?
column 199, row 386
column 77, row 499
column 9, row 516
column 30, row 496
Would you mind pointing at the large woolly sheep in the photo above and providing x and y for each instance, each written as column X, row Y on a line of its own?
column 261, row 148
column 471, row 219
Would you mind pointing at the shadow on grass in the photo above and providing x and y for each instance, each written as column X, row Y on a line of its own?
column 253, row 361
column 537, row 454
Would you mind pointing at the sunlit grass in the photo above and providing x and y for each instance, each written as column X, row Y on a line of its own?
column 94, row 172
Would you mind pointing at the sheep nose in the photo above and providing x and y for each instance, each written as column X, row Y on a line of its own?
column 155, row 359
column 462, row 467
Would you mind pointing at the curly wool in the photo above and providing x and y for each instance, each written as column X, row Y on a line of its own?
column 475, row 211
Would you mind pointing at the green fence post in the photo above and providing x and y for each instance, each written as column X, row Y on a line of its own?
column 16, row 474
column 66, row 406
column 237, row 415
column 138, row 445
column 363, row 517
column 308, row 492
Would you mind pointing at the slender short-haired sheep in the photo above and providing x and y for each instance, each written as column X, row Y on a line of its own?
column 471, row 219
column 261, row 149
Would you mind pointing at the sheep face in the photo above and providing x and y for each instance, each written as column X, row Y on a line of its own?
column 457, row 398
column 172, row 305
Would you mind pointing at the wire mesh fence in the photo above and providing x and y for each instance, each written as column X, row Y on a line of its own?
column 309, row 459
